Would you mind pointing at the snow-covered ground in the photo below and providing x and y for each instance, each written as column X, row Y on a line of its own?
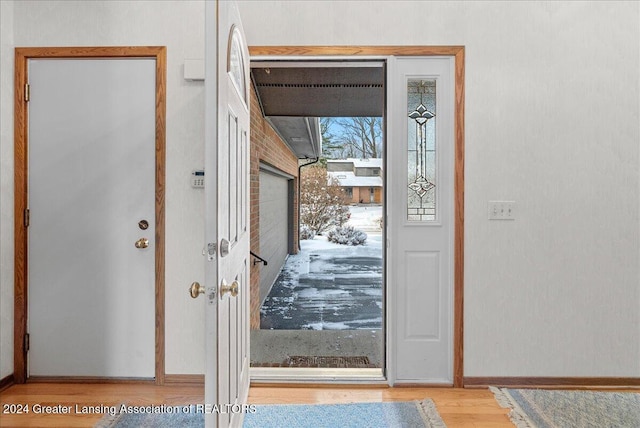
column 365, row 217
column 328, row 286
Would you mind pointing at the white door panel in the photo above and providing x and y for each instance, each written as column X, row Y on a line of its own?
column 226, row 212
column 421, row 207
column 91, row 180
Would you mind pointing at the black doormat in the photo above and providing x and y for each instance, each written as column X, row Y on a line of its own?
column 327, row 362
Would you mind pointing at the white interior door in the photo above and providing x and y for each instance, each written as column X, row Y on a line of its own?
column 91, row 181
column 421, row 219
column 226, row 213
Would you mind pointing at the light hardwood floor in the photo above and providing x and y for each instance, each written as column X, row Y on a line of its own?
column 458, row 407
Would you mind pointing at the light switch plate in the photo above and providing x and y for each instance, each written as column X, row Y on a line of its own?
column 502, row 210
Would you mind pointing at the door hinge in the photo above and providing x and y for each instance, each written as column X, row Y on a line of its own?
column 27, row 92
column 27, row 217
column 26, row 342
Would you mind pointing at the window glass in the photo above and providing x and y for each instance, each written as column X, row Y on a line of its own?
column 422, row 171
column 236, row 63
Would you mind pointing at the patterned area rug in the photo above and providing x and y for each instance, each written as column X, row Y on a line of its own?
column 415, row 414
column 539, row 408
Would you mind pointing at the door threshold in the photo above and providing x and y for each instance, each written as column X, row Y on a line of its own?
column 313, row 374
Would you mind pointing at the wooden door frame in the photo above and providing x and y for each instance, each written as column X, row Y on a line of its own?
column 403, row 51
column 21, row 139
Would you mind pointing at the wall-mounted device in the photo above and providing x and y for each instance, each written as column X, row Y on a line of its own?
column 197, row 179
column 194, row 69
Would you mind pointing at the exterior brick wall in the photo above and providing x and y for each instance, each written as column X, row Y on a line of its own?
column 267, row 147
column 362, row 195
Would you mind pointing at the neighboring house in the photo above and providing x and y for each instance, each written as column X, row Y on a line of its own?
column 360, row 178
column 274, row 193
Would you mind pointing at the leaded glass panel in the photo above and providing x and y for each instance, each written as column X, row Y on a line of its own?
column 422, row 171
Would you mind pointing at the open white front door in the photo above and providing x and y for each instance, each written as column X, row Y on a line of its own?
column 226, row 215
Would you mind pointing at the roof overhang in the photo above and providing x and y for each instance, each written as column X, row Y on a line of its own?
column 293, row 95
column 301, row 134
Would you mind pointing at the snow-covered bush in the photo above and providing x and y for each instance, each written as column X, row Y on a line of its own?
column 306, row 232
column 347, row 235
column 323, row 203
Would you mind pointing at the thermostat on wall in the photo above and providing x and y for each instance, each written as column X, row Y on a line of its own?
column 197, row 179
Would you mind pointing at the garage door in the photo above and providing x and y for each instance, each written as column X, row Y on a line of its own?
column 274, row 227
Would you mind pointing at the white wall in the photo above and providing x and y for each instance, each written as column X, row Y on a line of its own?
column 552, row 113
column 179, row 25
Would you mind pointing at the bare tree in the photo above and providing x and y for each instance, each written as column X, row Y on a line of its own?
column 352, row 137
column 326, row 124
column 363, row 135
column 330, row 147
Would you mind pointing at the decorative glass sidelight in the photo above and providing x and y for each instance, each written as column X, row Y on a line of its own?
column 421, row 108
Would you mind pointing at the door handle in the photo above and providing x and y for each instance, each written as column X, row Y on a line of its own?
column 142, row 243
column 196, row 289
column 232, row 289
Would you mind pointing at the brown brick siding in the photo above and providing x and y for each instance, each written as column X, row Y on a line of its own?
column 364, row 194
column 267, row 147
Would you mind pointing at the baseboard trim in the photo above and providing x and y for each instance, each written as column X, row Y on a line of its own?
column 184, row 379
column 6, row 382
column 552, row 382
column 422, row 385
column 90, row 379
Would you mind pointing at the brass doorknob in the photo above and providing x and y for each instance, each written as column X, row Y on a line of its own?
column 232, row 289
column 196, row 289
column 142, row 243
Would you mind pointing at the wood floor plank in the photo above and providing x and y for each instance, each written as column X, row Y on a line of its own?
column 458, row 407
column 51, row 394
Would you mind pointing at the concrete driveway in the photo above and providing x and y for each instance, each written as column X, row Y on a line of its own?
column 329, row 286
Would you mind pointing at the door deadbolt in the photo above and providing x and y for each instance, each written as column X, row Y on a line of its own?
column 143, row 224
column 225, row 246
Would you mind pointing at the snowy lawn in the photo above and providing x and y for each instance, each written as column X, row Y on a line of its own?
column 365, row 217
